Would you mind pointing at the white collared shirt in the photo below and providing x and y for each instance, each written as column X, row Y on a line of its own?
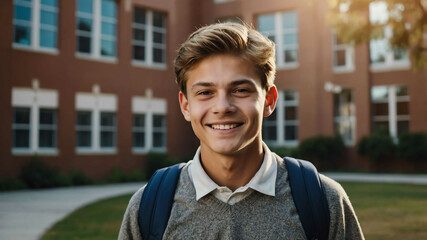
column 264, row 181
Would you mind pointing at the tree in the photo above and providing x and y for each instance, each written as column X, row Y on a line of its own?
column 407, row 19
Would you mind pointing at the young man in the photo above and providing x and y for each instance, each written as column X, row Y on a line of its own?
column 235, row 187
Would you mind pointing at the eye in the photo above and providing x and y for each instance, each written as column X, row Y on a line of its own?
column 204, row 93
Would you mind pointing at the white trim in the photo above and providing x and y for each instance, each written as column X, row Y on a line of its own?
column 349, row 56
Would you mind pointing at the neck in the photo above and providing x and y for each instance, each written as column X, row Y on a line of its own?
column 234, row 170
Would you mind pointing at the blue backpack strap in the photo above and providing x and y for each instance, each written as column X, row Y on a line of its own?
column 309, row 197
column 156, row 202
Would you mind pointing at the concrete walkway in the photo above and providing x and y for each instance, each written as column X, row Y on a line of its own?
column 26, row 215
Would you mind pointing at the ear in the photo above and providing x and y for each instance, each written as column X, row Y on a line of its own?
column 183, row 103
column 270, row 101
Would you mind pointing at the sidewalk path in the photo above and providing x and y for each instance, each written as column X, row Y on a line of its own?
column 385, row 178
column 26, row 215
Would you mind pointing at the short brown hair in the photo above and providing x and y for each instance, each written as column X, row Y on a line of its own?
column 223, row 38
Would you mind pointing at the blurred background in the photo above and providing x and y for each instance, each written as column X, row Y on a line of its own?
column 88, row 91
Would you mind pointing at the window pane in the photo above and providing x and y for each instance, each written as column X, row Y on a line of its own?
column 380, row 109
column 139, row 16
column 266, row 22
column 139, row 120
column 48, row 38
column 290, row 96
column 159, row 140
column 108, row 119
column 47, row 117
column 108, row 8
column 22, row 35
column 291, row 56
column 107, row 139
column 22, row 13
column 108, row 48
column 52, row 3
column 139, row 34
column 289, row 20
column 159, row 121
column 139, row 139
column 21, row 138
column 139, row 53
column 291, row 132
column 379, row 93
column 378, row 50
column 84, row 44
column 159, row 20
column 21, row 115
column 399, row 54
column 84, row 24
column 48, row 18
column 158, row 55
column 269, row 133
column 291, row 113
column 108, row 28
column 47, row 138
column 85, row 6
column 380, row 126
column 84, row 139
column 402, row 108
column 158, row 37
column 84, row 118
column 401, row 91
column 290, row 39
column 340, row 58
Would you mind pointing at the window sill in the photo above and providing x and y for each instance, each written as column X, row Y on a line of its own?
column 289, row 66
column 50, row 51
column 111, row 60
column 340, row 70
column 384, row 67
column 141, row 151
column 142, row 64
column 90, row 151
column 41, row 152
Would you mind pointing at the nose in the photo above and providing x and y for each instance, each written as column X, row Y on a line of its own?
column 223, row 104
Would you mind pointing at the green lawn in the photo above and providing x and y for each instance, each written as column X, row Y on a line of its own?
column 385, row 211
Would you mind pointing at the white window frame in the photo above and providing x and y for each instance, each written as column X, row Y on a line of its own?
column 392, row 116
column 96, row 103
column 149, row 106
column 35, row 99
column 379, row 16
column 35, row 27
column 278, row 33
column 347, row 120
column 281, row 123
column 148, row 43
column 349, row 56
column 96, row 34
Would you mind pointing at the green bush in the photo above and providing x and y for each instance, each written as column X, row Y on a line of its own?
column 323, row 151
column 118, row 176
column 412, row 146
column 9, row 184
column 376, row 147
column 78, row 178
column 37, row 174
column 158, row 160
column 286, row 152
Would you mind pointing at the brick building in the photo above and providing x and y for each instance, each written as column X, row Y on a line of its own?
column 89, row 84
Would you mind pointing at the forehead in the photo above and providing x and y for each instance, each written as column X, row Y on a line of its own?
column 219, row 70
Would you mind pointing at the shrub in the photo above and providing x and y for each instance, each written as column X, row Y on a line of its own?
column 9, row 184
column 156, row 161
column 78, row 178
column 118, row 176
column 412, row 146
column 286, row 152
column 37, row 174
column 323, row 151
column 376, row 147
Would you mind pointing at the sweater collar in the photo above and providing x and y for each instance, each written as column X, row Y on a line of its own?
column 264, row 180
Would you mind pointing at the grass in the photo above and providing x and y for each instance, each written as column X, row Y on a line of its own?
column 385, row 211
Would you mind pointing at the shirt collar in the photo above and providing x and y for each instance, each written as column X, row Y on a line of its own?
column 264, row 181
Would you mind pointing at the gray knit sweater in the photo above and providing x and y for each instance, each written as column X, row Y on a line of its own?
column 258, row 216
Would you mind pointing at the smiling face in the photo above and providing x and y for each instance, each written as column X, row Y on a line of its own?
column 226, row 103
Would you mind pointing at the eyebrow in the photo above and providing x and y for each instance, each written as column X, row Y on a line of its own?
column 233, row 83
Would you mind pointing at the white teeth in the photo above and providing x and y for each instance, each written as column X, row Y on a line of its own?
column 224, row 127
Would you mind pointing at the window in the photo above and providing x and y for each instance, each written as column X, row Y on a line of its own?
column 35, row 24
column 282, row 28
column 343, row 55
column 97, row 28
column 281, row 128
column 96, row 122
column 149, row 37
column 344, row 116
column 381, row 55
column 34, row 125
column 390, row 109
column 149, row 124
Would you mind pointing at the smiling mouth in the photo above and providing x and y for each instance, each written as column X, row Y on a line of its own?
column 225, row 126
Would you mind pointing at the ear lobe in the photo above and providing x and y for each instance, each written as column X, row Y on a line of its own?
column 183, row 103
column 270, row 101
